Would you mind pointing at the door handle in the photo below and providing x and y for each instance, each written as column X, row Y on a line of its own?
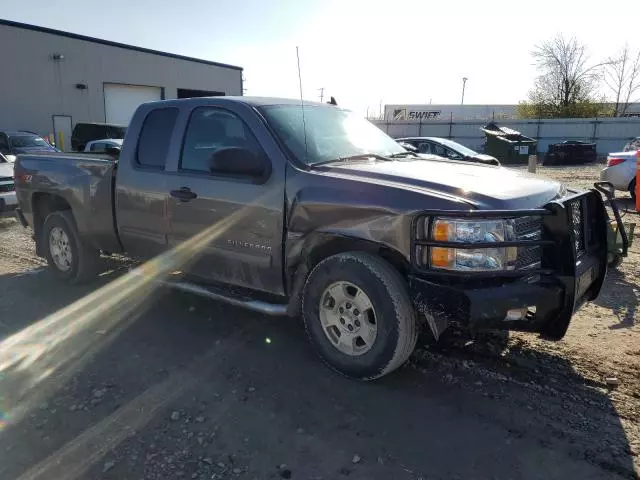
column 184, row 194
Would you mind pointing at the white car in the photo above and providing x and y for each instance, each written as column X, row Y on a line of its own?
column 100, row 146
column 8, row 199
column 621, row 171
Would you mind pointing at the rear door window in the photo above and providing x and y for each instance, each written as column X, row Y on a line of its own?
column 155, row 136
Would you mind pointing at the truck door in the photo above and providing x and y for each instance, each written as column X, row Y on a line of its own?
column 141, row 185
column 242, row 214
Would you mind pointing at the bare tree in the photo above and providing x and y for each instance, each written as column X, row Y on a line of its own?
column 566, row 79
column 622, row 77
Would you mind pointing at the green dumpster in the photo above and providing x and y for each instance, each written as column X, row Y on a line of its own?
column 507, row 145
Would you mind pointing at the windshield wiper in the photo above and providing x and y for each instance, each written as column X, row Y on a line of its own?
column 404, row 154
column 360, row 156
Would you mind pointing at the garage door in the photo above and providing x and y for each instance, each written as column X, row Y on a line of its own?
column 120, row 101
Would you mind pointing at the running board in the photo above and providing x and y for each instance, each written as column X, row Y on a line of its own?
column 273, row 309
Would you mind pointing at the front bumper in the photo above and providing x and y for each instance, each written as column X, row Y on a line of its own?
column 8, row 201
column 572, row 272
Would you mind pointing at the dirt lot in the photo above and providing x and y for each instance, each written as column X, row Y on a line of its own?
column 145, row 383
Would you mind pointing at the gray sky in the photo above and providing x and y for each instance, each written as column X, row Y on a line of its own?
column 362, row 52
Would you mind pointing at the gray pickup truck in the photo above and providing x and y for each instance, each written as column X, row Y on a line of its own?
column 309, row 210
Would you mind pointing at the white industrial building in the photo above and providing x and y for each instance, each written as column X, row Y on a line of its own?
column 52, row 79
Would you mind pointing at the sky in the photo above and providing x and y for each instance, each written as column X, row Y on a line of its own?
column 364, row 53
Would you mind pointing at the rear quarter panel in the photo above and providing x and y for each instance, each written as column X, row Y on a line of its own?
column 84, row 182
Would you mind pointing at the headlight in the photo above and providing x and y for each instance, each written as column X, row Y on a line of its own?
column 473, row 231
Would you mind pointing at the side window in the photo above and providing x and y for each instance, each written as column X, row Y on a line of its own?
column 155, row 135
column 423, row 147
column 453, row 155
column 438, row 150
column 209, row 130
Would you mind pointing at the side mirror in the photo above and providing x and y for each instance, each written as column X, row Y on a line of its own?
column 112, row 150
column 239, row 161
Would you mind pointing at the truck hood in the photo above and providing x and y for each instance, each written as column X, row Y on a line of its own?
column 485, row 187
column 6, row 170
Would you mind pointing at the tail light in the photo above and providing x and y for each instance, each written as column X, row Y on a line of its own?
column 614, row 161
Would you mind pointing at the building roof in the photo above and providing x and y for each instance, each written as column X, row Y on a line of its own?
column 60, row 33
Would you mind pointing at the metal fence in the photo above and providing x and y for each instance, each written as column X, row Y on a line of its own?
column 609, row 134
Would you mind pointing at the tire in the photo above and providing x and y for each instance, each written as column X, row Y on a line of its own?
column 614, row 261
column 391, row 315
column 83, row 261
column 632, row 190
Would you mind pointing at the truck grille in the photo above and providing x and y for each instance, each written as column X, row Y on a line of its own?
column 528, row 228
column 7, row 187
column 577, row 224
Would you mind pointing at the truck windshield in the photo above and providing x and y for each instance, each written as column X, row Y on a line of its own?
column 331, row 133
column 23, row 141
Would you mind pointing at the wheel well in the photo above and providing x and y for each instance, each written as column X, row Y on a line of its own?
column 44, row 204
column 325, row 247
column 336, row 245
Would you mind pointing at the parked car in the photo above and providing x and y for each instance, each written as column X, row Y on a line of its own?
column 103, row 145
column 446, row 148
column 322, row 216
column 8, row 199
column 13, row 143
column 570, row 152
column 621, row 171
column 84, row 132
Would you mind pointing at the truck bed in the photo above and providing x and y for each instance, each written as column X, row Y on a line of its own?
column 85, row 182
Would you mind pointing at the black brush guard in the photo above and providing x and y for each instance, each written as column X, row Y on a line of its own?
column 572, row 270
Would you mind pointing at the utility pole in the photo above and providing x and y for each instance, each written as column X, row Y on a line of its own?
column 464, row 84
column 321, row 90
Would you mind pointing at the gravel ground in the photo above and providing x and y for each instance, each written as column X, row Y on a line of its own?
column 160, row 385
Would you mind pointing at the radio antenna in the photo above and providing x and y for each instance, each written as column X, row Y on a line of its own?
column 304, row 123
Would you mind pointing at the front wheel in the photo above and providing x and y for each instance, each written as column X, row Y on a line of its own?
column 632, row 190
column 358, row 315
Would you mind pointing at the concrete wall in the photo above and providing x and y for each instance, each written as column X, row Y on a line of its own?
column 458, row 113
column 609, row 134
column 33, row 86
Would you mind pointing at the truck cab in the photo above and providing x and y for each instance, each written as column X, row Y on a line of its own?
column 311, row 211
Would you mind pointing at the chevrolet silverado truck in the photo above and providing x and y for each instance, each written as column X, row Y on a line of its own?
column 310, row 211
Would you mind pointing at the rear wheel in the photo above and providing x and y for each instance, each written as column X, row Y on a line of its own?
column 68, row 256
column 632, row 190
column 358, row 315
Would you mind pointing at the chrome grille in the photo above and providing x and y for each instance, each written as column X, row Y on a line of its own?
column 528, row 228
column 577, row 224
